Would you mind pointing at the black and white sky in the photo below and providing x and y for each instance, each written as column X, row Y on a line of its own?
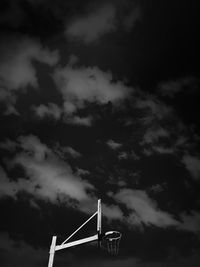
column 100, row 99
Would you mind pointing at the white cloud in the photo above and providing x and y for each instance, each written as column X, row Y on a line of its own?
column 9, row 99
column 91, row 84
column 192, row 163
column 144, row 210
column 154, row 134
column 62, row 150
column 113, row 145
column 125, row 155
column 72, row 152
column 33, row 147
column 92, row 26
column 157, row 188
column 76, row 120
column 162, row 150
column 54, row 111
column 16, row 67
column 80, row 86
column 153, row 108
column 50, row 110
column 49, row 178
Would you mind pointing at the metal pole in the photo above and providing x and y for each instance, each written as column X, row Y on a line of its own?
column 52, row 251
column 99, row 217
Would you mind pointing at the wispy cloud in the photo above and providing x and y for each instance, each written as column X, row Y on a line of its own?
column 153, row 134
column 128, row 155
column 62, row 150
column 92, row 26
column 171, row 88
column 133, row 16
column 153, row 108
column 16, row 67
column 113, row 145
column 77, row 120
column 192, row 164
column 190, row 221
column 80, row 86
column 51, row 110
column 144, row 209
column 49, row 178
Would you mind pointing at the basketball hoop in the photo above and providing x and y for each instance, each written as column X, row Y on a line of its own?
column 111, row 241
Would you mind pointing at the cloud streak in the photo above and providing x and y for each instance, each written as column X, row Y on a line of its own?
column 91, row 27
column 143, row 209
column 16, row 67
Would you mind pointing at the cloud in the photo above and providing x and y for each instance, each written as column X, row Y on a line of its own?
column 153, row 109
column 144, row 210
column 132, row 17
column 91, row 27
column 8, row 145
column 157, row 148
column 8, row 99
column 80, row 86
column 123, row 155
column 153, row 134
column 190, row 222
column 76, row 120
column 154, row 138
column 171, row 88
column 157, row 188
column 162, row 150
column 50, row 110
column 33, row 147
column 62, row 150
column 49, row 178
column 128, row 155
column 192, row 164
column 113, row 145
column 16, row 67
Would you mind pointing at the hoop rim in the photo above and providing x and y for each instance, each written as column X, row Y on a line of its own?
column 106, row 235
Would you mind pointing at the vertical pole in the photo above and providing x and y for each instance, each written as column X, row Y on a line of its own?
column 52, row 251
column 99, row 221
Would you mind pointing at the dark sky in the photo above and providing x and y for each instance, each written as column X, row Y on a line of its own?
column 100, row 99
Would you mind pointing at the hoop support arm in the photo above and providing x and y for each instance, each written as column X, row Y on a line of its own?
column 77, row 242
